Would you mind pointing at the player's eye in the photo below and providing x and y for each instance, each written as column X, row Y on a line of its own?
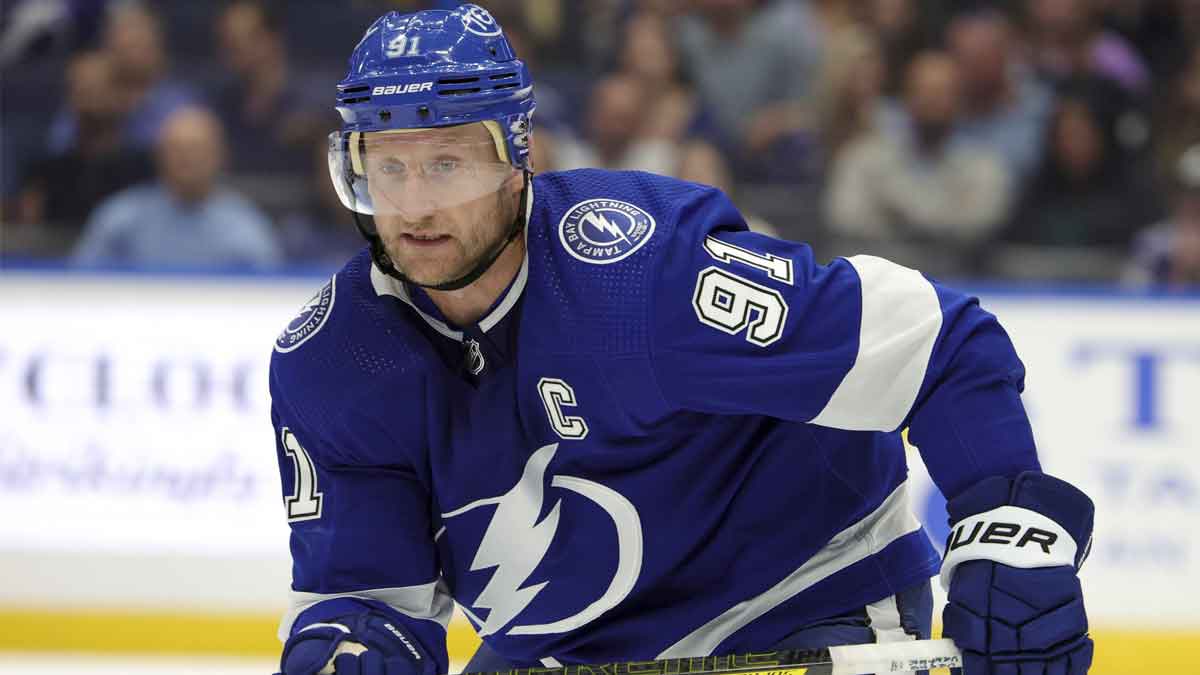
column 443, row 167
column 392, row 169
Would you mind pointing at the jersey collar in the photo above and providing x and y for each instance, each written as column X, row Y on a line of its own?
column 387, row 285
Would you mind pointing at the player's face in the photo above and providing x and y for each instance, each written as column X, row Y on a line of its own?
column 443, row 199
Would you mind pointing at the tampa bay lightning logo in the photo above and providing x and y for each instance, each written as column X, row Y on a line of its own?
column 310, row 319
column 477, row 20
column 603, row 231
column 516, row 541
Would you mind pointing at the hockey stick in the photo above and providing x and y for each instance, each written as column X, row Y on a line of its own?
column 891, row 657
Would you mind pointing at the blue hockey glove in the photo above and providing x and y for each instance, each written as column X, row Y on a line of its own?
column 368, row 643
column 1015, row 605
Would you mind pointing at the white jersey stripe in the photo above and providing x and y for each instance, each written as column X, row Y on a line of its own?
column 884, row 616
column 887, row 523
column 431, row 602
column 901, row 318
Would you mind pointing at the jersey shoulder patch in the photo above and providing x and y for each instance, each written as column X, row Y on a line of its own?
column 601, row 231
column 311, row 318
column 601, row 217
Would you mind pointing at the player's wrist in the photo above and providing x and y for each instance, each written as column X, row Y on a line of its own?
column 1032, row 520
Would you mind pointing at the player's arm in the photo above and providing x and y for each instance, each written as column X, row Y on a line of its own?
column 367, row 596
column 745, row 324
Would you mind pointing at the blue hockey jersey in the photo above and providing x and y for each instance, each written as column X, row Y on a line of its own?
column 670, row 436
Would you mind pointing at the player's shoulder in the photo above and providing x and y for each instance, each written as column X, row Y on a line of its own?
column 344, row 339
column 623, row 219
column 598, row 241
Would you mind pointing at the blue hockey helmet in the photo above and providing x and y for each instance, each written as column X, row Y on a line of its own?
column 435, row 68
column 422, row 71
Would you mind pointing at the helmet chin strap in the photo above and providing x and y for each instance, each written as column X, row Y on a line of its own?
column 384, row 262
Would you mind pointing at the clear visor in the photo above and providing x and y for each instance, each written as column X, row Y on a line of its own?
column 413, row 172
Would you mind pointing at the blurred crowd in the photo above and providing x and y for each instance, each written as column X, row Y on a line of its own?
column 1018, row 140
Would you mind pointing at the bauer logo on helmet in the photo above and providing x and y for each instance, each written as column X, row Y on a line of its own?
column 411, row 88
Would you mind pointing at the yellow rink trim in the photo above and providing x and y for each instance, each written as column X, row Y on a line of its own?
column 148, row 632
column 1118, row 652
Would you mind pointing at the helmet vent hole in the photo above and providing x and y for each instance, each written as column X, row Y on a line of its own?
column 360, row 99
column 458, row 92
column 510, row 85
column 458, row 80
column 502, row 76
column 355, row 90
column 385, row 115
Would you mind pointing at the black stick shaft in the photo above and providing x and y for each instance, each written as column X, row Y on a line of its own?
column 760, row 662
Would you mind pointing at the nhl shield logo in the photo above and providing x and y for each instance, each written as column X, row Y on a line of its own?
column 310, row 319
column 603, row 231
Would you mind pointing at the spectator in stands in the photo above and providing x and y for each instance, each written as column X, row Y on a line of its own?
column 613, row 132
column 1005, row 106
column 1178, row 116
column 649, row 53
column 756, row 64
column 1167, row 255
column 898, row 27
column 850, row 96
column 850, row 79
column 1069, row 41
column 641, row 117
column 1088, row 192
column 59, row 192
column 133, row 38
column 267, row 113
column 920, row 185
column 186, row 219
column 612, row 135
column 674, row 122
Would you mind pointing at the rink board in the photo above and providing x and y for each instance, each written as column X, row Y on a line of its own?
column 134, row 424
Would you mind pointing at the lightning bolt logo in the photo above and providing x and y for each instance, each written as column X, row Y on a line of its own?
column 603, row 224
column 514, row 543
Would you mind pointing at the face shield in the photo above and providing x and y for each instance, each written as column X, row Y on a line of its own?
column 414, row 171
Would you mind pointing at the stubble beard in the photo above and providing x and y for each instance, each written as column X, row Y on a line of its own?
column 465, row 249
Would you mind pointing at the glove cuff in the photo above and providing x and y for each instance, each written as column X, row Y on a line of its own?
column 1033, row 520
column 311, row 648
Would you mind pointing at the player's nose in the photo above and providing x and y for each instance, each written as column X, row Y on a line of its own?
column 415, row 203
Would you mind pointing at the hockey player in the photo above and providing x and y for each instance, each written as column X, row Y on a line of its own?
column 613, row 424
